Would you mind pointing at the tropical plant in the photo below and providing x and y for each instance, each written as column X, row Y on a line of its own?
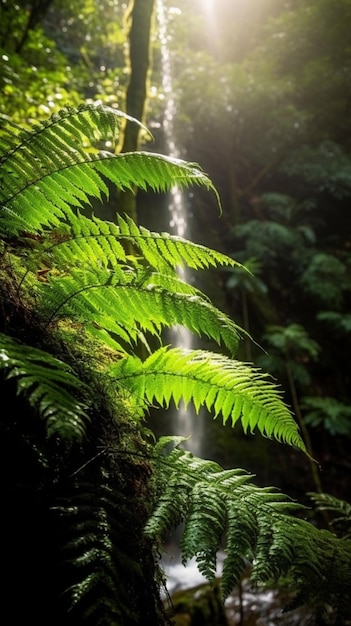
column 77, row 313
column 333, row 415
column 340, row 509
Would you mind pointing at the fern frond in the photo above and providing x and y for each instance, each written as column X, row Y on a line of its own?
column 205, row 524
column 72, row 129
column 211, row 502
column 235, row 390
column 159, row 249
column 222, row 507
column 241, row 533
column 48, row 385
column 94, row 519
column 124, row 302
column 340, row 508
column 86, row 240
column 75, row 184
column 10, row 131
column 50, row 169
column 92, row 240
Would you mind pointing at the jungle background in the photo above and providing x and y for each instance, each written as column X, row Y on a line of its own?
column 261, row 92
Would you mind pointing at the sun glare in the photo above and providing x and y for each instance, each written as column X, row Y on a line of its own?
column 208, row 8
column 208, row 5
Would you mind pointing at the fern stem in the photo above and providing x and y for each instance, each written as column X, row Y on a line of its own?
column 246, row 321
column 304, row 430
column 69, row 297
column 241, row 603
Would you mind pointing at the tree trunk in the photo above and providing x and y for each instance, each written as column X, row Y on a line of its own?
column 140, row 61
column 36, row 13
column 141, row 13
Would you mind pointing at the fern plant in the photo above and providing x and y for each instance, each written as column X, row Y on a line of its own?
column 339, row 508
column 76, row 310
column 256, row 526
column 87, row 278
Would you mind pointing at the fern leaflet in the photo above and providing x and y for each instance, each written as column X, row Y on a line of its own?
column 123, row 302
column 340, row 508
column 48, row 385
column 227, row 387
column 95, row 241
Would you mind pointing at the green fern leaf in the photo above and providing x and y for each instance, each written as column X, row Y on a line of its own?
column 94, row 519
column 227, row 387
column 206, row 519
column 76, row 127
column 222, row 508
column 50, row 169
column 124, row 302
column 47, row 384
column 93, row 240
column 241, row 537
column 160, row 249
column 340, row 508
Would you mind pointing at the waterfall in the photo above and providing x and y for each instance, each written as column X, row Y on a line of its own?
column 185, row 422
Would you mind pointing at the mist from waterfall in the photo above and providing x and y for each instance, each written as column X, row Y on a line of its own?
column 185, row 422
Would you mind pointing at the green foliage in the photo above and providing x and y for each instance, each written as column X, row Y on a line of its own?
column 292, row 339
column 162, row 251
column 270, row 241
column 224, row 386
column 337, row 321
column 326, row 278
column 69, row 272
column 70, row 173
column 328, row 168
column 332, row 415
column 223, row 509
column 54, row 54
column 100, row 523
column 118, row 297
column 35, row 77
column 340, row 510
column 62, row 143
column 247, row 277
column 48, row 385
column 291, row 347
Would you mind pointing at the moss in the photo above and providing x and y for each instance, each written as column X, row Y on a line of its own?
column 200, row 606
column 74, row 514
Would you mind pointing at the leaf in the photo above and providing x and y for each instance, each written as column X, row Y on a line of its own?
column 123, row 302
column 50, row 167
column 254, row 526
column 48, row 385
column 228, row 387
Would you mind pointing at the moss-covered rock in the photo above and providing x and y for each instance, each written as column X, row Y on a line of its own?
column 199, row 606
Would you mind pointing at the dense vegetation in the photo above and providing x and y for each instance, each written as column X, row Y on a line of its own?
column 272, row 131
column 264, row 109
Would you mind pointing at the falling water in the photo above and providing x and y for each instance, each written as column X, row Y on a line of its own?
column 185, row 422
